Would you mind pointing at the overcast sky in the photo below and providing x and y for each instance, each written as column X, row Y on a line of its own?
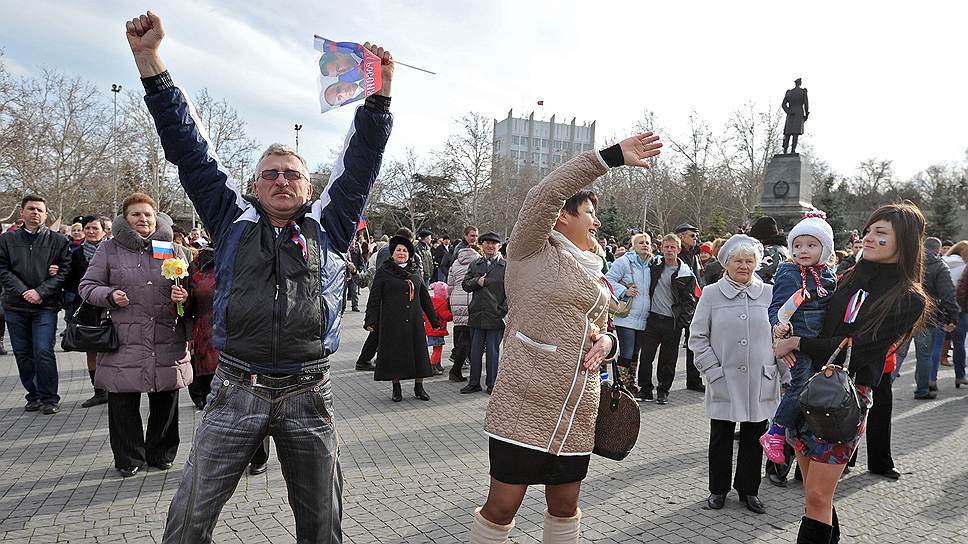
column 886, row 79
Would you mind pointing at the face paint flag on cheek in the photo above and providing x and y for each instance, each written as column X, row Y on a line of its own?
column 347, row 72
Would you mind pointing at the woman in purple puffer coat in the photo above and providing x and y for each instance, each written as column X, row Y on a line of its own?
column 125, row 276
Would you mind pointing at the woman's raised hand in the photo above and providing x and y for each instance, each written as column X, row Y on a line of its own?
column 638, row 149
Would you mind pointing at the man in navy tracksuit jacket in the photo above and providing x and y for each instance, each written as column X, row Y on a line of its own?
column 280, row 270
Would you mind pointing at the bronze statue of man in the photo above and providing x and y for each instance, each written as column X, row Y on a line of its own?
column 797, row 110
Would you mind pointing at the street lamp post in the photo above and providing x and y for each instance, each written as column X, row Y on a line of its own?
column 298, row 127
column 114, row 138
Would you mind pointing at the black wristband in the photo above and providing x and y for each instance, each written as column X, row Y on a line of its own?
column 157, row 83
column 377, row 102
column 612, row 156
column 614, row 351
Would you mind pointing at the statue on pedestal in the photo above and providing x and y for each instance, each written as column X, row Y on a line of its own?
column 797, row 110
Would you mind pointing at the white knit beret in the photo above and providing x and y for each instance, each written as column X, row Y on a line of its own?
column 814, row 224
column 739, row 242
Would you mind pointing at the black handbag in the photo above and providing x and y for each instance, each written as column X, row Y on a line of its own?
column 617, row 424
column 90, row 330
column 829, row 402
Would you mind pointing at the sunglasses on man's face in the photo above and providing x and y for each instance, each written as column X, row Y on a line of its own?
column 290, row 175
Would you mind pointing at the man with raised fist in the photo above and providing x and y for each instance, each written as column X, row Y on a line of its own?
column 280, row 269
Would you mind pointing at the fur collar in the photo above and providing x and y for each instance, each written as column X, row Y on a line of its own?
column 126, row 237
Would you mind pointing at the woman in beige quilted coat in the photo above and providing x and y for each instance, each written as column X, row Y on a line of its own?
column 541, row 416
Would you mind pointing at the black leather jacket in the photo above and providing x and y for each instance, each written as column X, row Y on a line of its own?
column 24, row 263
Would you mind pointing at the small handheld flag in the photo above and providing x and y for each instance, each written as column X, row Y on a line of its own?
column 362, row 224
column 347, row 72
column 790, row 306
column 162, row 250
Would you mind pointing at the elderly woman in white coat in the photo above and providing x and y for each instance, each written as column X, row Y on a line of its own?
column 731, row 337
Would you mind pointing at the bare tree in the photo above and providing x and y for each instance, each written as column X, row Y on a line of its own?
column 872, row 176
column 60, row 130
column 467, row 159
column 401, row 188
column 752, row 138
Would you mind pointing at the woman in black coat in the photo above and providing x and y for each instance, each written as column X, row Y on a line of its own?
column 396, row 307
column 80, row 259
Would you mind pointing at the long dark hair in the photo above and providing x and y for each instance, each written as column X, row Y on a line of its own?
column 909, row 225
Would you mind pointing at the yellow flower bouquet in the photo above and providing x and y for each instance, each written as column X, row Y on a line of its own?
column 175, row 270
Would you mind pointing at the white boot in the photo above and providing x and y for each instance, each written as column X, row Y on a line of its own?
column 485, row 532
column 561, row 530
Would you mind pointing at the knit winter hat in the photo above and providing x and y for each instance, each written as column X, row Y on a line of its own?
column 439, row 288
column 814, row 224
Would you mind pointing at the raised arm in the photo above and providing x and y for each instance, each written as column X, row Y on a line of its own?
column 211, row 188
column 344, row 197
column 545, row 200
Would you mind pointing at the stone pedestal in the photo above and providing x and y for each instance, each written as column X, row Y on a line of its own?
column 787, row 190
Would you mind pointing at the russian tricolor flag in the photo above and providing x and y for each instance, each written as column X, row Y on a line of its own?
column 162, row 250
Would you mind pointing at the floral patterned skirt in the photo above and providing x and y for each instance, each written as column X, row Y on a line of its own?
column 806, row 443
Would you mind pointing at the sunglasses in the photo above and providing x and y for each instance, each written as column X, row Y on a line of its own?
column 290, row 175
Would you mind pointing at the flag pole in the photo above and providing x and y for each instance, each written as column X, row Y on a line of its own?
column 394, row 60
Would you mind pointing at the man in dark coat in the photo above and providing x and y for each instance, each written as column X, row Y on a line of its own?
column 34, row 262
column 470, row 237
column 426, row 255
column 797, row 110
column 689, row 236
column 442, row 249
column 485, row 278
column 672, row 292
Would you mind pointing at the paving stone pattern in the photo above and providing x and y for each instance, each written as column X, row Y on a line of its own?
column 416, row 470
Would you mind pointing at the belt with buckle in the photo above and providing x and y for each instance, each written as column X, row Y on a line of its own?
column 270, row 381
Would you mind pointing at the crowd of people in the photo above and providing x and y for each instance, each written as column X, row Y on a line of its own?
column 535, row 318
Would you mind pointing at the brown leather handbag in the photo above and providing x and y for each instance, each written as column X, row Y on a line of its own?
column 617, row 425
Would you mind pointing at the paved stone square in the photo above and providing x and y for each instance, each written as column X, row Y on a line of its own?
column 416, row 470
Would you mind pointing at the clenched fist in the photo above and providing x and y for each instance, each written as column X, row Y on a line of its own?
column 386, row 66
column 144, row 35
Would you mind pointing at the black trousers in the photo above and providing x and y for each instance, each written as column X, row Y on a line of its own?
column 370, row 346
column 748, row 460
column 199, row 389
column 879, row 458
column 132, row 445
column 662, row 336
column 462, row 346
column 692, row 373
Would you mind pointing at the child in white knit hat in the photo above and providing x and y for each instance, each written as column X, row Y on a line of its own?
column 801, row 291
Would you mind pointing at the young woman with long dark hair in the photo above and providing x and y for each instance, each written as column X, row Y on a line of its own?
column 889, row 271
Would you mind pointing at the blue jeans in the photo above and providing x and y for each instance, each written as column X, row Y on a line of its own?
column 626, row 342
column 489, row 341
column 236, row 420
column 900, row 355
column 788, row 412
column 939, row 336
column 924, row 350
column 32, row 338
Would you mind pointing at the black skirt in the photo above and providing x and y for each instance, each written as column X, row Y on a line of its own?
column 517, row 465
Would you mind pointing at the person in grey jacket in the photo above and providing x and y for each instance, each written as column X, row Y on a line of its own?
column 742, row 378
column 937, row 283
column 460, row 301
column 125, row 276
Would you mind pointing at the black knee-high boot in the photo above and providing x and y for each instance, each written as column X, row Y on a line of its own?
column 100, row 396
column 813, row 532
column 835, row 530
